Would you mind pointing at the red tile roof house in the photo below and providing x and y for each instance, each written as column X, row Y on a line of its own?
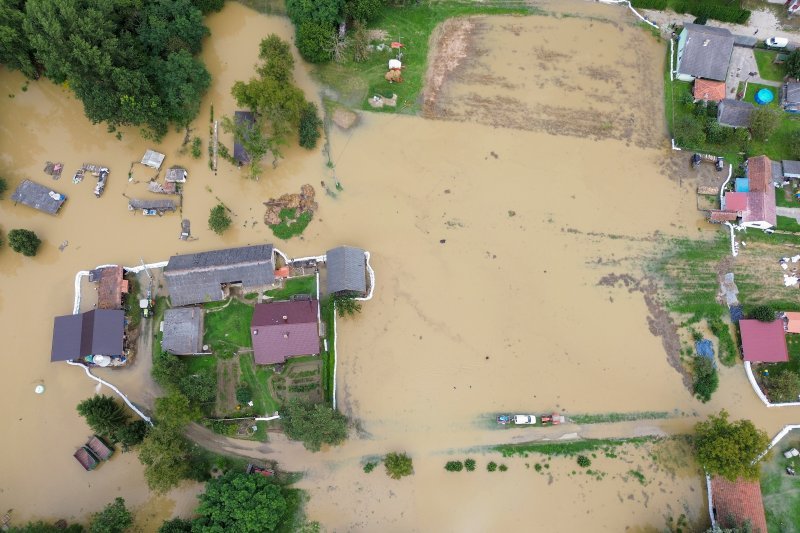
column 738, row 502
column 757, row 207
column 763, row 342
column 280, row 330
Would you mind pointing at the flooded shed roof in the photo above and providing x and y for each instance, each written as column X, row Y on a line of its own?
column 153, row 159
column 111, row 287
column 161, row 205
column 96, row 332
column 38, row 197
column 347, row 270
column 284, row 329
column 239, row 153
column 176, row 175
column 183, row 331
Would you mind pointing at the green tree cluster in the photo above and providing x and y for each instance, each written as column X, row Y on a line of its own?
column 131, row 62
column 729, row 449
column 24, row 241
column 706, row 379
column 172, row 374
column 313, row 425
column 763, row 313
column 792, row 64
column 107, row 417
column 764, row 120
column 114, row 518
column 346, row 304
column 218, row 219
column 398, row 465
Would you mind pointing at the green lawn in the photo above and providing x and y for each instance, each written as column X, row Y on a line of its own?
column 199, row 363
column 228, row 330
column 411, row 25
column 766, row 68
column 257, row 377
column 788, row 224
column 781, row 201
column 781, row 492
column 292, row 286
column 753, row 88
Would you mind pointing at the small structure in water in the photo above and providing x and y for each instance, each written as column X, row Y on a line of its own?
column 38, row 197
column 153, row 159
column 151, row 207
column 176, row 175
column 99, row 448
column 239, row 153
column 86, row 458
column 102, row 178
column 186, row 230
column 53, row 169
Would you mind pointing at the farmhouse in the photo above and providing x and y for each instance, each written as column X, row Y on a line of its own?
column 704, row 52
column 96, row 332
column 280, row 330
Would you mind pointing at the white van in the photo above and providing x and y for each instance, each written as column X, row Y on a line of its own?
column 776, row 42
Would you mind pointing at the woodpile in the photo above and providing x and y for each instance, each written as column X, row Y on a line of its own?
column 300, row 203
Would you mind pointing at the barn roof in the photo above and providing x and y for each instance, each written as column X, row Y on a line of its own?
column 183, row 331
column 96, row 332
column 347, row 270
column 38, row 197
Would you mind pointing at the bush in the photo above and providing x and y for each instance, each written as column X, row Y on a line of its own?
column 3, row 187
column 114, row 518
column 454, row 466
column 792, row 64
column 369, row 467
column 763, row 313
column 491, row 466
column 197, row 148
column 310, row 124
column 764, row 120
column 785, row 387
column 103, row 414
column 365, row 10
column 244, row 394
column 24, row 241
column 689, row 132
column 469, row 464
column 502, row 468
column 706, row 379
column 398, row 465
column 218, row 219
column 314, row 41
column 313, row 425
column 584, row 461
column 132, row 434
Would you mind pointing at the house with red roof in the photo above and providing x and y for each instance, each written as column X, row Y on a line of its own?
column 792, row 321
column 281, row 330
column 755, row 208
column 709, row 90
column 763, row 342
column 735, row 503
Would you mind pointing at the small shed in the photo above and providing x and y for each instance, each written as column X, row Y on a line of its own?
column 792, row 321
column 111, row 286
column 183, row 331
column 86, row 458
column 153, row 159
column 347, row 270
column 242, row 118
column 791, row 169
column 790, row 97
column 99, row 448
column 158, row 205
column 38, row 197
column 176, row 175
column 734, row 113
column 763, row 342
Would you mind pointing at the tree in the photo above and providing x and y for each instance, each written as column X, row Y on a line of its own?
column 15, row 48
column 199, row 388
column 131, row 434
column 689, row 132
column 363, row 10
column 176, row 525
column 763, row 313
column 243, row 503
column 325, row 12
column 244, row 394
column 44, row 527
column 346, row 304
column 764, row 120
column 3, row 187
column 315, row 41
column 314, row 425
column 218, row 219
column 114, row 518
column 175, row 410
column 251, row 137
column 706, row 379
column 165, row 453
column 398, row 465
column 729, row 449
column 792, row 64
column 359, row 42
column 276, row 55
column 103, row 414
column 24, row 241
column 310, row 124
column 208, row 6
column 168, row 370
column 784, row 387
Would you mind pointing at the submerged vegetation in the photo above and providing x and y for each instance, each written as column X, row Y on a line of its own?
column 398, row 465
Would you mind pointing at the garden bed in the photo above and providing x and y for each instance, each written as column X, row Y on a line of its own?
column 294, row 286
column 780, row 491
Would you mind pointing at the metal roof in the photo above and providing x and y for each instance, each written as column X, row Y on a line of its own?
column 706, row 52
column 347, row 270
column 791, row 168
column 763, row 342
column 183, row 331
column 38, row 197
column 239, row 153
column 197, row 278
column 161, row 205
column 96, row 332
column 176, row 175
column 734, row 113
column 284, row 329
column 153, row 159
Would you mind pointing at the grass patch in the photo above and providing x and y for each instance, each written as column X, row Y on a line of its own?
column 257, row 377
column 328, row 356
column 132, row 311
column 413, row 25
column 767, row 69
column 567, row 448
column 291, row 224
column 293, row 286
column 787, row 224
column 782, row 201
column 618, row 417
column 753, row 88
column 197, row 364
column 781, row 492
column 228, row 329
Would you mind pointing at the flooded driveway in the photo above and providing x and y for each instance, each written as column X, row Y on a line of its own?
column 489, row 232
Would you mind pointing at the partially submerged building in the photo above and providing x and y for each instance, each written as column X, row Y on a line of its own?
column 735, row 503
column 763, row 342
column 111, row 285
column 85, row 336
column 207, row 276
column 734, row 113
column 153, row 159
column 183, row 331
column 38, row 197
column 346, row 270
column 248, row 120
column 703, row 52
column 158, row 206
column 281, row 330
column 176, row 175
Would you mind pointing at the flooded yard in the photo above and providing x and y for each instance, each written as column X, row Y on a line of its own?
column 491, row 225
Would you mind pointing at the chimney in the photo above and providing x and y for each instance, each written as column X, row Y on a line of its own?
column 255, row 332
column 285, row 318
column 286, row 335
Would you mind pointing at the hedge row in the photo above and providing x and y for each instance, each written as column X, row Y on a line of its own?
column 660, row 5
column 702, row 9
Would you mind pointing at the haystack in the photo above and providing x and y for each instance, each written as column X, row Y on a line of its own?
column 300, row 203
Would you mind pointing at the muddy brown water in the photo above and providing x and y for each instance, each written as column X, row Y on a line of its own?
column 488, row 243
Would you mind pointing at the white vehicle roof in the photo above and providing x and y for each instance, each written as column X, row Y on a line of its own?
column 524, row 419
column 777, row 41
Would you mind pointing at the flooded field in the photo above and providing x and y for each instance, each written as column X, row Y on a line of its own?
column 490, row 234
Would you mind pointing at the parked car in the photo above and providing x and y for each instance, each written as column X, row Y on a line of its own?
column 777, row 42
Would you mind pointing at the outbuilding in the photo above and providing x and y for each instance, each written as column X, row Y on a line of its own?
column 183, row 331
column 763, row 342
column 347, row 270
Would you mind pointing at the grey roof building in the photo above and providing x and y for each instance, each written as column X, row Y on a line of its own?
column 791, row 169
column 347, row 270
column 790, row 97
column 158, row 205
column 734, row 113
column 198, row 278
column 176, row 175
column 704, row 52
column 38, row 197
column 153, row 159
column 239, row 153
column 96, row 332
column 183, row 331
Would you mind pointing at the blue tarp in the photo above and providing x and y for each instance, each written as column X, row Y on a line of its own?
column 736, row 313
column 742, row 185
column 705, row 349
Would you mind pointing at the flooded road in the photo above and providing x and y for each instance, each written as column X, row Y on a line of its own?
column 489, row 235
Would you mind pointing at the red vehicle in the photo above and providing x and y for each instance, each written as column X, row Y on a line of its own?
column 253, row 469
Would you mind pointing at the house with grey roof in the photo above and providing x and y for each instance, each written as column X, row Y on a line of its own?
column 346, row 270
column 790, row 97
column 248, row 120
column 791, row 169
column 183, row 331
column 734, row 113
column 38, row 197
column 153, row 159
column 206, row 276
column 176, row 175
column 96, row 332
column 703, row 52
column 148, row 204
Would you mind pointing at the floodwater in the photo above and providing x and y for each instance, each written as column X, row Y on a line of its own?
column 489, row 236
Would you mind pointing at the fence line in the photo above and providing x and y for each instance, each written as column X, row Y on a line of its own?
column 782, row 433
column 753, row 383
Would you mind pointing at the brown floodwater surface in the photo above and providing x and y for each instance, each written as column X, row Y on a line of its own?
column 489, row 237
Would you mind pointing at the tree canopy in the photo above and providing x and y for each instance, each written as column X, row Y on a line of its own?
column 764, row 120
column 763, row 313
column 398, row 465
column 218, row 222
column 24, row 241
column 729, row 449
column 314, row 425
column 241, row 502
column 114, row 518
column 793, row 64
column 15, row 49
column 103, row 414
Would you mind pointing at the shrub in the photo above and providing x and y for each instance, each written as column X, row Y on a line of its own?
column 3, row 187
column 793, row 64
column 24, row 241
column 764, row 120
column 584, row 461
column 114, row 518
column 763, row 313
column 244, row 394
column 650, row 4
column 310, row 124
column 706, row 379
column 469, row 464
column 398, row 465
column 689, row 132
column 314, row 41
column 131, row 434
column 492, row 466
column 103, row 414
column 369, row 467
column 537, row 467
column 313, row 425
column 197, row 147
column 218, row 219
column 454, row 466
column 785, row 387
column 502, row 468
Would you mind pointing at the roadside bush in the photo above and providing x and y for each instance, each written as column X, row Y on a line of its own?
column 314, row 41
column 398, row 465
column 763, row 313
column 584, row 461
column 706, row 379
column 785, row 387
column 469, row 464
column 24, row 241
column 454, row 466
column 310, row 124
column 491, row 466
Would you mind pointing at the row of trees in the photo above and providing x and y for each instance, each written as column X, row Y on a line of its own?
column 108, row 418
column 129, row 62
